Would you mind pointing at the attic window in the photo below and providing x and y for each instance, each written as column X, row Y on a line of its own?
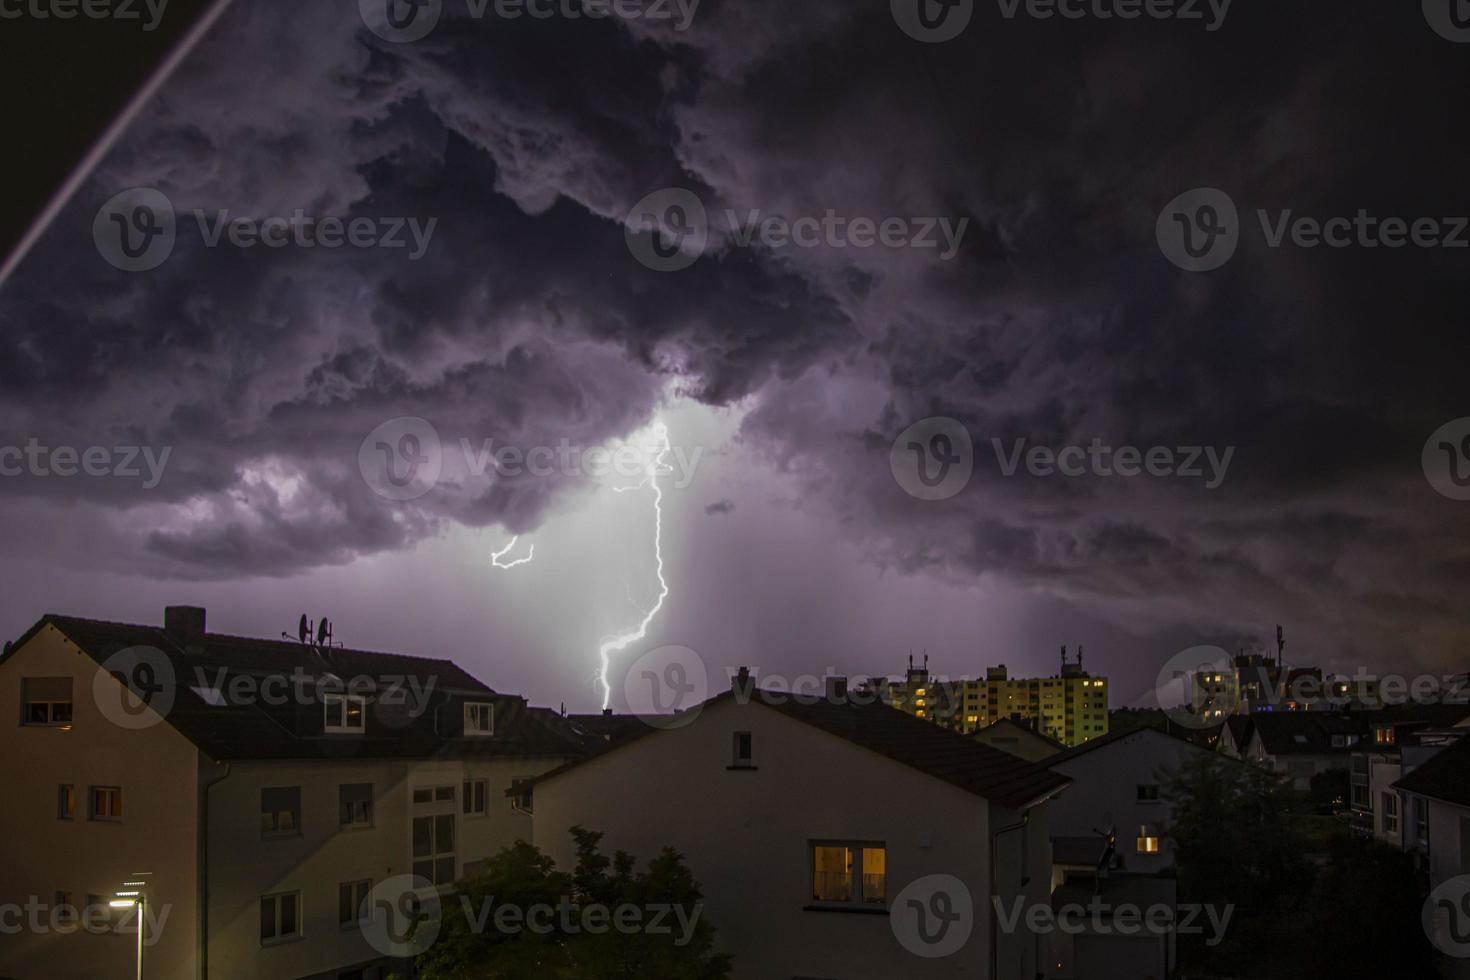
column 1300, row 739
column 479, row 718
column 345, row 714
column 46, row 701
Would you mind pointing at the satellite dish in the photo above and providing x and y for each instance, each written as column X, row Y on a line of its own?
column 324, row 633
column 304, row 630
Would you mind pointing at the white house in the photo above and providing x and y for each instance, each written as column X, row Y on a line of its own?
column 1437, row 796
column 1118, row 784
column 832, row 839
column 257, row 810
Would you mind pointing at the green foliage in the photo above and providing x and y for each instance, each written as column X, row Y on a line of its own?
column 1361, row 919
column 1236, row 837
column 1329, row 792
column 471, row 946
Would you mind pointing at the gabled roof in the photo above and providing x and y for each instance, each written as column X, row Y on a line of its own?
column 1307, row 732
column 945, row 755
column 1022, row 729
column 1446, row 776
column 1116, row 738
column 425, row 722
column 1241, row 728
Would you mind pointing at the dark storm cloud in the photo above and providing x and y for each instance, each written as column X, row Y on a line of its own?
column 1057, row 322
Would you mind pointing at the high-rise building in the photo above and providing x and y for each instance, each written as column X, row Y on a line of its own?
column 1070, row 706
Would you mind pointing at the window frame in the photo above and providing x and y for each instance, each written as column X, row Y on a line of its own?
column 477, row 730
column 1390, row 813
column 52, row 721
column 93, row 796
column 344, row 701
column 364, row 914
column 279, row 937
column 747, row 761
column 354, row 824
column 475, row 790
column 66, row 801
column 857, row 901
column 277, row 833
column 1141, row 790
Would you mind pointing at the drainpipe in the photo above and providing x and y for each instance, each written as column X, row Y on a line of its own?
column 994, row 917
column 202, row 861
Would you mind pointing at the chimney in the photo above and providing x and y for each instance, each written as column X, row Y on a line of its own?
column 837, row 690
column 185, row 624
column 740, row 683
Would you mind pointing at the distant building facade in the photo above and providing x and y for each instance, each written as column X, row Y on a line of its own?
column 1070, row 707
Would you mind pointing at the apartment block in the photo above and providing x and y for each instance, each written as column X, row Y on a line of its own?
column 253, row 790
column 1070, row 707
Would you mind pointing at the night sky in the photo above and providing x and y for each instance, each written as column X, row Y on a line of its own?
column 528, row 320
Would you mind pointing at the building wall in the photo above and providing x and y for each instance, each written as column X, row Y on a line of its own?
column 41, row 854
column 746, row 837
column 1105, row 785
column 244, row 866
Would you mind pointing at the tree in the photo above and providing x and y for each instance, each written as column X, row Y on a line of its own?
column 1362, row 919
column 486, row 931
column 1236, row 838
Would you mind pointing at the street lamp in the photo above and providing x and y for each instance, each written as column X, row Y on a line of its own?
column 132, row 896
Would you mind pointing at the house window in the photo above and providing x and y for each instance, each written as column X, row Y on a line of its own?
column 45, row 701
column 355, row 804
column 280, row 811
column 479, row 718
column 66, row 801
column 1390, row 813
column 1421, row 820
column 744, row 751
column 66, row 910
column 849, row 873
column 104, row 803
column 352, row 902
column 346, row 714
column 434, row 834
column 1147, row 842
column 521, row 795
column 280, row 918
column 475, row 794
column 1148, row 793
column 433, row 848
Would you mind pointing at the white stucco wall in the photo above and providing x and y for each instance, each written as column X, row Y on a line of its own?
column 746, row 834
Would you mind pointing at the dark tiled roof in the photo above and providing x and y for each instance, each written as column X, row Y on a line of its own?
column 1241, row 727
column 1113, row 738
column 1446, row 776
column 1307, row 732
column 1023, row 729
column 424, row 722
column 947, row 756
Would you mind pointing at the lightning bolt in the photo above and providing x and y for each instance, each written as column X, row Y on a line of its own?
column 659, row 433
column 495, row 556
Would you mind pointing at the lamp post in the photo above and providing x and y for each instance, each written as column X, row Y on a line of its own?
column 133, row 895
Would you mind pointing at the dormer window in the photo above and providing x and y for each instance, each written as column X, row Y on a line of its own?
column 479, row 718
column 346, row 714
